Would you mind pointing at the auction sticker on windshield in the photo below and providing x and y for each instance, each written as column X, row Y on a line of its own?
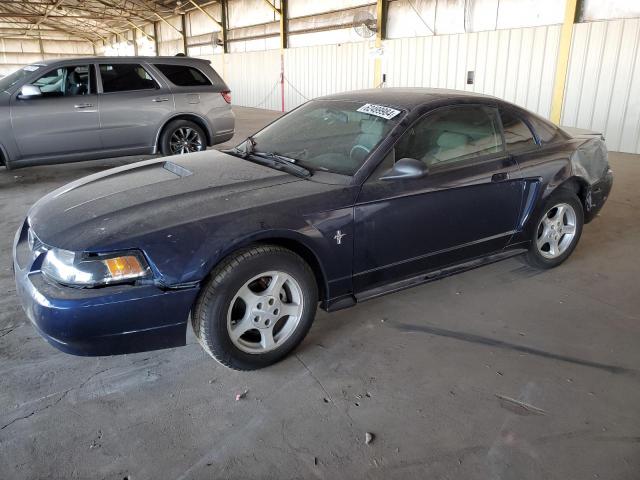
column 379, row 111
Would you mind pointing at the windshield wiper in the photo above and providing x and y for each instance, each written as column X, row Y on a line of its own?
column 282, row 161
column 274, row 160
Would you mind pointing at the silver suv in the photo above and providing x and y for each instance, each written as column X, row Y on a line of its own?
column 100, row 107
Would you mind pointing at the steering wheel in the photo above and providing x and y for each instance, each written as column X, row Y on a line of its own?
column 357, row 148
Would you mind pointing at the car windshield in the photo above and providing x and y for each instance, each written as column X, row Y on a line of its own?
column 10, row 80
column 328, row 135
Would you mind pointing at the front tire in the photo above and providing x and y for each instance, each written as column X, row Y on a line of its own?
column 182, row 136
column 256, row 308
column 557, row 230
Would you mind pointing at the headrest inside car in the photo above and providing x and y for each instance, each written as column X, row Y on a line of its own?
column 372, row 126
column 448, row 140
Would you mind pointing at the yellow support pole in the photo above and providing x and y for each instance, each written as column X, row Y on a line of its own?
column 563, row 61
column 381, row 22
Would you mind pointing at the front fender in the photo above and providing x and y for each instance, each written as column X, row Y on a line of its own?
column 316, row 234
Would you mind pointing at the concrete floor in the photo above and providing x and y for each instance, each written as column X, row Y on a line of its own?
column 429, row 371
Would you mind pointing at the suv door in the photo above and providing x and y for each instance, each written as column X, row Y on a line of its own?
column 467, row 205
column 133, row 106
column 63, row 119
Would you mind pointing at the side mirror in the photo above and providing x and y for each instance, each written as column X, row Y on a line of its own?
column 28, row 91
column 406, row 168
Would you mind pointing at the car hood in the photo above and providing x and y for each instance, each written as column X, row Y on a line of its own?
column 147, row 196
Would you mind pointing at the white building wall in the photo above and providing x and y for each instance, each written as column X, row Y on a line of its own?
column 517, row 65
column 15, row 53
column 253, row 78
column 321, row 70
column 603, row 84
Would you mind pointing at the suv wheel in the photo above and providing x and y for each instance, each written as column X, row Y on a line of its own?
column 182, row 136
column 256, row 308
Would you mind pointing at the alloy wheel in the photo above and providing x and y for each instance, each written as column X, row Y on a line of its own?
column 186, row 140
column 556, row 230
column 265, row 312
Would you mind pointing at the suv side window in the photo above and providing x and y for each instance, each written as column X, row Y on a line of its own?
column 183, row 75
column 125, row 77
column 66, row 81
column 451, row 135
column 517, row 135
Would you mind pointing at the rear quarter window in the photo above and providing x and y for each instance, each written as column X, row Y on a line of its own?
column 183, row 75
column 547, row 132
column 517, row 135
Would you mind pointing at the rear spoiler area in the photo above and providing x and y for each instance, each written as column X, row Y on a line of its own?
column 582, row 133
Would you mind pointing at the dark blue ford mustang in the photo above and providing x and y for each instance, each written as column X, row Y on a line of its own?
column 346, row 198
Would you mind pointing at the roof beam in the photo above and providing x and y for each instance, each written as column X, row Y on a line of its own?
column 208, row 15
column 161, row 18
column 46, row 14
column 150, row 37
column 70, row 17
column 272, row 6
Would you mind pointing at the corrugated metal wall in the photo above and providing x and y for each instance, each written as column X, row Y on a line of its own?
column 517, row 65
column 253, row 78
column 169, row 38
column 15, row 53
column 314, row 71
column 603, row 84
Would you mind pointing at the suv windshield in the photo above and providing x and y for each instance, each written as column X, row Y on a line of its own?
column 10, row 80
column 328, row 135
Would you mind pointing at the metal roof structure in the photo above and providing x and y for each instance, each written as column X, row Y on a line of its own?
column 91, row 20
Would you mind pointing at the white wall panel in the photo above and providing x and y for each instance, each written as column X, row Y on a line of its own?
column 170, row 40
column 517, row 65
column 253, row 78
column 321, row 70
column 603, row 83
column 16, row 53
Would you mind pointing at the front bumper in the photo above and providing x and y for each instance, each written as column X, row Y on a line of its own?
column 100, row 321
column 598, row 195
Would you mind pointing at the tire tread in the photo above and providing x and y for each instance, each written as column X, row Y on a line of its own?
column 216, row 279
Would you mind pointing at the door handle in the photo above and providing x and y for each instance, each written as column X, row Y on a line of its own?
column 160, row 99
column 83, row 105
column 500, row 177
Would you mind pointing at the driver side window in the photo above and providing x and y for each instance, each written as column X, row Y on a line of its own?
column 65, row 82
column 451, row 135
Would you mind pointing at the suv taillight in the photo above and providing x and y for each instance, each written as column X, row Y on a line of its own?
column 227, row 96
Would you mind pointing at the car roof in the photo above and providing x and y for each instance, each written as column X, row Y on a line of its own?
column 406, row 98
column 172, row 59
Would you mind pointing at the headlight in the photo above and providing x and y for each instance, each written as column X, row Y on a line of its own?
column 83, row 270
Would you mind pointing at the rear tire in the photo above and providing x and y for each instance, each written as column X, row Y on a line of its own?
column 557, row 231
column 182, row 136
column 5, row 162
column 246, row 321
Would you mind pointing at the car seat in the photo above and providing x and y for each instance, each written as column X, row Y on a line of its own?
column 448, row 145
column 370, row 133
column 75, row 85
